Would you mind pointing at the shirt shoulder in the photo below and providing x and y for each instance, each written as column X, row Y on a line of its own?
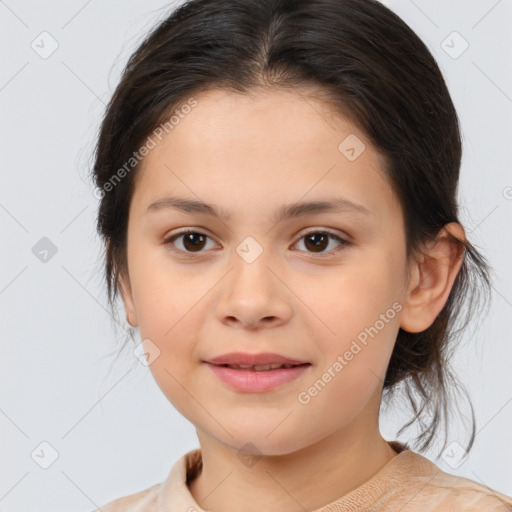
column 171, row 494
column 412, row 483
column 452, row 492
column 142, row 501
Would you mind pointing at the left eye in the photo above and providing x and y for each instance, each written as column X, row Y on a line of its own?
column 194, row 241
column 317, row 240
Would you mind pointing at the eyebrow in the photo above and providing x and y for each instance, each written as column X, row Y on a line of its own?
column 287, row 211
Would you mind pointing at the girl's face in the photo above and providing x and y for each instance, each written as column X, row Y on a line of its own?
column 254, row 282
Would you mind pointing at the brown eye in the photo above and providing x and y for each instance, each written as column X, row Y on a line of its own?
column 193, row 241
column 318, row 241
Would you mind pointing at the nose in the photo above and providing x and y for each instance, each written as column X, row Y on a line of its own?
column 253, row 296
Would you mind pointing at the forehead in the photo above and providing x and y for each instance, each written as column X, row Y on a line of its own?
column 277, row 146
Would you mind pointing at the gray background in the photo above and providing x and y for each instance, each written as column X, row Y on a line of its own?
column 113, row 430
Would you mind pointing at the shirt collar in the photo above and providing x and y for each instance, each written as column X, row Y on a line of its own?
column 175, row 493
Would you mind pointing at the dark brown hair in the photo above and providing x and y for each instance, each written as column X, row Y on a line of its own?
column 374, row 69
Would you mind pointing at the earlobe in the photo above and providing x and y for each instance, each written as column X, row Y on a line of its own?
column 432, row 279
column 126, row 294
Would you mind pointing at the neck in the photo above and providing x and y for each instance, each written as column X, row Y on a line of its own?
column 309, row 478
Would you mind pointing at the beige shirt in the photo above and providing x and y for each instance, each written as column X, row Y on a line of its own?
column 407, row 483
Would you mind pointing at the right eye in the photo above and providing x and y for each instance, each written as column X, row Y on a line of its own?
column 193, row 241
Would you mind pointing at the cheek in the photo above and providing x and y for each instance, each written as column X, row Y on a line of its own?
column 361, row 307
column 171, row 306
column 354, row 363
column 168, row 308
column 355, row 297
column 163, row 293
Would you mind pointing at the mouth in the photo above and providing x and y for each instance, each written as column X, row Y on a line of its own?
column 261, row 367
column 260, row 361
column 245, row 378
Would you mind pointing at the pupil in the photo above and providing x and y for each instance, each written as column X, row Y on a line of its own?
column 320, row 238
column 189, row 239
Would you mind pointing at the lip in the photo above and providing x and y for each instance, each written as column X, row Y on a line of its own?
column 252, row 381
column 253, row 359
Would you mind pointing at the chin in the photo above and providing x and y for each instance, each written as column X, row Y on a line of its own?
column 260, row 444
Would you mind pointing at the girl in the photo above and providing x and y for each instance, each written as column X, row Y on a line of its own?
column 278, row 203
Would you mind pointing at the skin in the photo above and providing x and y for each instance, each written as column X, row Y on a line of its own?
column 273, row 148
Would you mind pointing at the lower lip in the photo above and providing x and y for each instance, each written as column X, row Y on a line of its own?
column 250, row 381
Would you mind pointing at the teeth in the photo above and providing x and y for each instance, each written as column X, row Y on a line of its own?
column 259, row 368
column 263, row 367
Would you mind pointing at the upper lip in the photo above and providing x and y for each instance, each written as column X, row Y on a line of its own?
column 253, row 359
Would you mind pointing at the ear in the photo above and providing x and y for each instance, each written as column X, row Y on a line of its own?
column 432, row 278
column 126, row 294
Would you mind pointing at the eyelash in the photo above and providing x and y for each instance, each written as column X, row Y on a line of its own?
column 344, row 243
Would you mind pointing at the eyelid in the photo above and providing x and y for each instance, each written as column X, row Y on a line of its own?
column 169, row 239
column 343, row 239
column 330, row 231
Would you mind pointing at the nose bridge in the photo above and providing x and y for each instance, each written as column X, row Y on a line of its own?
column 251, row 261
column 251, row 291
